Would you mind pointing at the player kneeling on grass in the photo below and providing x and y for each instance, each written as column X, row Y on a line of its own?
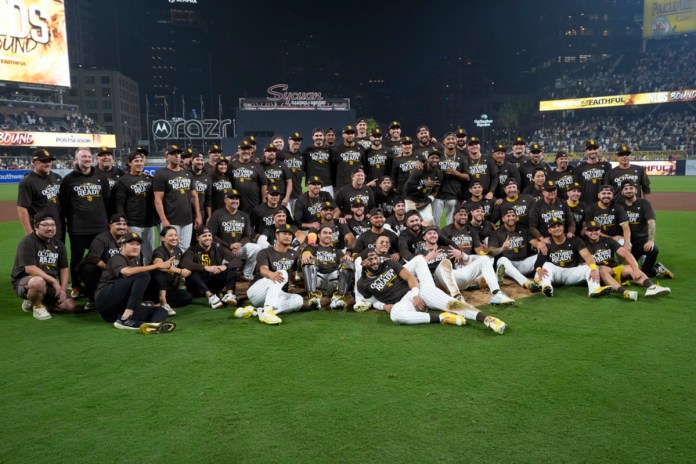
column 391, row 287
column 40, row 273
column 326, row 270
column 561, row 264
column 212, row 269
column 269, row 290
column 123, row 284
column 165, row 282
column 603, row 250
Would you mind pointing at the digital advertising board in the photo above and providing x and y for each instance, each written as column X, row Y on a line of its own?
column 33, row 42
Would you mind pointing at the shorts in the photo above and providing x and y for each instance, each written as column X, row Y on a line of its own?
column 618, row 270
column 21, row 290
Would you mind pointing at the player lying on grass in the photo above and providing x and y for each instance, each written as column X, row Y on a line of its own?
column 603, row 251
column 407, row 297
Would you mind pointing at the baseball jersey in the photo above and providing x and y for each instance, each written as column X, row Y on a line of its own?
column 134, row 199
column 591, row 177
column 228, row 228
column 639, row 213
column 377, row 163
column 49, row 256
column 295, row 162
column 386, row 286
column 247, row 179
column 609, row 219
column 84, row 199
column 176, row 186
column 345, row 159
column 39, row 194
column 393, row 146
column 276, row 261
column 347, row 194
column 518, row 239
column 603, row 251
column 317, row 162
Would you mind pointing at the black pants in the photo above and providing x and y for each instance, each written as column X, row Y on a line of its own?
column 650, row 257
column 200, row 282
column 78, row 245
column 162, row 281
column 90, row 274
column 125, row 293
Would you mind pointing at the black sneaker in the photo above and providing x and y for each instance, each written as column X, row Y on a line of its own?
column 128, row 324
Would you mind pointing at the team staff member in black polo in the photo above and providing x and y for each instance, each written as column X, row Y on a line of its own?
column 123, row 285
column 174, row 195
column 40, row 271
column 248, row 178
column 84, row 199
column 38, row 192
column 135, row 201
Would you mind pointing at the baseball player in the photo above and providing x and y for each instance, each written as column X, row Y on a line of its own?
column 561, row 265
column 326, row 269
column 407, row 297
column 610, row 216
column 422, row 187
column 38, row 192
column 268, row 292
column 626, row 171
column 512, row 244
column 590, row 173
column 603, row 250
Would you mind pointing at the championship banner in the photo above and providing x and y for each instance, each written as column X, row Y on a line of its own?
column 652, row 98
column 668, row 17
column 33, row 42
column 56, row 139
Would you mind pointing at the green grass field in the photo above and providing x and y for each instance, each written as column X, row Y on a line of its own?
column 572, row 380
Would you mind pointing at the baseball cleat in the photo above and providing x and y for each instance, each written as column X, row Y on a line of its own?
column 245, row 312
column 532, row 286
column 495, row 324
column 268, row 316
column 41, row 313
column 337, row 302
column 630, row 295
column 547, row 290
column 454, row 319
column 27, row 306
column 600, row 291
column 362, row 306
column 215, row 302
column 657, row 289
column 500, row 274
column 314, row 302
column 662, row 271
column 501, row 298
column 149, row 328
column 229, row 299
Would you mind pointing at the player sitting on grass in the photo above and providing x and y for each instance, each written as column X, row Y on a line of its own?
column 561, row 264
column 603, row 250
column 123, row 284
column 407, row 297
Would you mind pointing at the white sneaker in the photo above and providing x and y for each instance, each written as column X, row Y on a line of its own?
column 501, row 298
column 229, row 299
column 41, row 313
column 268, row 316
column 27, row 306
column 214, row 301
column 630, row 295
column 245, row 312
column 362, row 306
column 170, row 311
column 657, row 289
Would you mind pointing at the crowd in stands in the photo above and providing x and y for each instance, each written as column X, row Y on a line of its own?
column 29, row 112
column 647, row 132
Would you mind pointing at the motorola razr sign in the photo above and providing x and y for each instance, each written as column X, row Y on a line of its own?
column 204, row 129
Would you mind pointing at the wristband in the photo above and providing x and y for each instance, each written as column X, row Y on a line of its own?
column 593, row 267
column 538, row 269
column 415, row 291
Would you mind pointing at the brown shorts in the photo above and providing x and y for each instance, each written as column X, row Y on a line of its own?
column 21, row 290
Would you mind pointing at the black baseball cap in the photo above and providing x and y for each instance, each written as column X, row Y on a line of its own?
column 104, row 151
column 117, row 218
column 460, row 133
column 519, row 141
column 509, row 181
column 270, row 147
column 535, row 148
column 376, row 212
column 130, row 237
column 215, row 149
column 284, row 228
column 142, row 151
column 395, row 125
column 174, row 150
column 550, row 186
column 327, row 205
column 623, row 151
column 592, row 225
column 421, row 128
column 245, row 144
column 498, row 147
column 232, row 194
column 474, row 141
column 295, row 136
column 273, row 190
column 314, row 180
column 349, row 130
column 561, row 154
column 591, row 144
column 42, row 155
column 377, row 132
column 407, row 141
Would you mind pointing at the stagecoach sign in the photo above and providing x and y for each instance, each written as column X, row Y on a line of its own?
column 190, row 129
column 279, row 98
